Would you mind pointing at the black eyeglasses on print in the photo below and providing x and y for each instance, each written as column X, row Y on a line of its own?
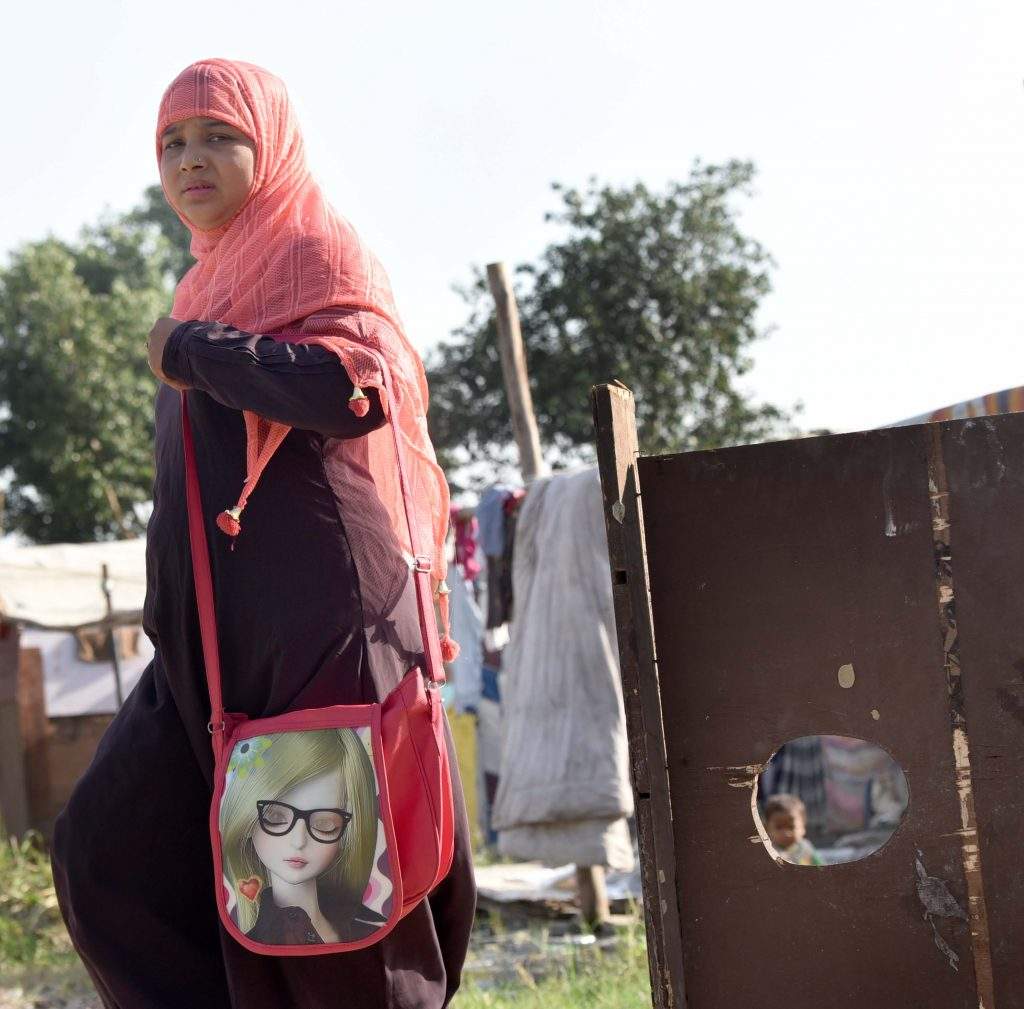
column 323, row 825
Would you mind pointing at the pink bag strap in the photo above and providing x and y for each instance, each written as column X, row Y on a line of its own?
column 201, row 575
column 421, row 567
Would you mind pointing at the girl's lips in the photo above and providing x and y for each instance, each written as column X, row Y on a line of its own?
column 198, row 191
column 296, row 863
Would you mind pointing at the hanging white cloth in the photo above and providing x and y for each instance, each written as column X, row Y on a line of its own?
column 564, row 791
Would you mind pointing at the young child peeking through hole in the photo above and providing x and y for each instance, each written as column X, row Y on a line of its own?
column 785, row 821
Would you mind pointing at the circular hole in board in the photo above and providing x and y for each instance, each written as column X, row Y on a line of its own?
column 823, row 800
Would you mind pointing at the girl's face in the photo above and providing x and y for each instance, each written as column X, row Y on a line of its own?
column 206, row 168
column 298, row 855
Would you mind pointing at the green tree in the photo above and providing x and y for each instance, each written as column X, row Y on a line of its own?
column 76, row 394
column 657, row 289
column 156, row 212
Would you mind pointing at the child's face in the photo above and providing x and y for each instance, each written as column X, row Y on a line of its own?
column 785, row 829
column 206, row 168
column 297, row 856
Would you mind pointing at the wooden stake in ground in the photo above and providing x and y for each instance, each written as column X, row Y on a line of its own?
column 513, row 367
column 114, row 659
column 592, row 888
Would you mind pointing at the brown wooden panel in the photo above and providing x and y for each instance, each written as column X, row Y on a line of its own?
column 770, row 567
column 985, row 467
column 32, row 715
column 14, row 817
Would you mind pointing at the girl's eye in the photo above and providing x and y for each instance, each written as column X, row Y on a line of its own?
column 170, row 144
column 219, row 136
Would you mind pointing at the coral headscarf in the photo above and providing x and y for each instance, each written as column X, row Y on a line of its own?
column 288, row 261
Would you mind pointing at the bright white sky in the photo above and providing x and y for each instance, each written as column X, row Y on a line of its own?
column 889, row 138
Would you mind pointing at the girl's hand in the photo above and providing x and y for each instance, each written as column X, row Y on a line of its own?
column 158, row 337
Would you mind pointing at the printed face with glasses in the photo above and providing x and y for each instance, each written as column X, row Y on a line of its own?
column 299, row 835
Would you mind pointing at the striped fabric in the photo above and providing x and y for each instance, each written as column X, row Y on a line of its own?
column 1007, row 401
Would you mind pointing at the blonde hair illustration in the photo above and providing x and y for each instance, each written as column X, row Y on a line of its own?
column 284, row 760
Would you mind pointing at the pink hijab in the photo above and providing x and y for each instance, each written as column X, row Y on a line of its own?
column 288, row 261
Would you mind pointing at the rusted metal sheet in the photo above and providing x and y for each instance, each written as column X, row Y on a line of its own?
column 771, row 569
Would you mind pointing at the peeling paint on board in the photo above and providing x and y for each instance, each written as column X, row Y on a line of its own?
column 977, row 913
column 892, row 528
column 741, row 775
column 934, row 894
column 937, row 902
column 762, row 834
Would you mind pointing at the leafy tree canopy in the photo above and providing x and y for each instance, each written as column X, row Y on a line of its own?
column 76, row 394
column 657, row 289
column 154, row 211
column 660, row 290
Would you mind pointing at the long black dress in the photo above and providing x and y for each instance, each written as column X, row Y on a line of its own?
column 131, row 851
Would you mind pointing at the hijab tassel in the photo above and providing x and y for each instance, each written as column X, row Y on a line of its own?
column 229, row 521
column 449, row 646
column 359, row 402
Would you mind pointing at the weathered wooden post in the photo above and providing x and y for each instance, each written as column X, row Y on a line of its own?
column 617, row 451
column 513, row 368
column 115, row 660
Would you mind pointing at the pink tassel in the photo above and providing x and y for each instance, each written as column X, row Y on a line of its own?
column 359, row 402
column 228, row 521
column 449, row 648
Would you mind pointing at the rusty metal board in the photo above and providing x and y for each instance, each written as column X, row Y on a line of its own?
column 772, row 567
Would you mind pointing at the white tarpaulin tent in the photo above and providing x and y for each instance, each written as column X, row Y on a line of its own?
column 60, row 586
column 75, row 687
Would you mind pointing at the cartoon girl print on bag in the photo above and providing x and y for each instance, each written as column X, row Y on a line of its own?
column 302, row 838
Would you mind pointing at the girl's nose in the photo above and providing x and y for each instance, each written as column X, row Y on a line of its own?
column 298, row 835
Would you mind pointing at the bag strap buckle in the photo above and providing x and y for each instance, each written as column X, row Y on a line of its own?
column 422, row 564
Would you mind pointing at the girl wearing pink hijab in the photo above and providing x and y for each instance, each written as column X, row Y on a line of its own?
column 310, row 563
